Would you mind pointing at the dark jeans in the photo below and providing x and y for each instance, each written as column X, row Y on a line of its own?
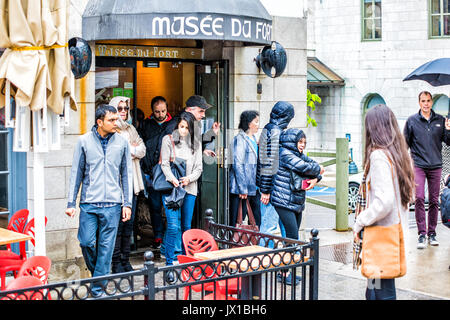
column 254, row 205
column 122, row 247
column 381, row 289
column 433, row 177
column 156, row 206
column 291, row 221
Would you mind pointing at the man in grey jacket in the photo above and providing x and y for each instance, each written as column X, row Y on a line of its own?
column 102, row 166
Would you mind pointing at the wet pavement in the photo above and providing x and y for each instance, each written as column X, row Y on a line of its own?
column 428, row 273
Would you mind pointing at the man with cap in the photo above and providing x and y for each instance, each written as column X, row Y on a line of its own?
column 197, row 105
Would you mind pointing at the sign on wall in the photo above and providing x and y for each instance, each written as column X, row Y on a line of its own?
column 127, row 51
column 179, row 26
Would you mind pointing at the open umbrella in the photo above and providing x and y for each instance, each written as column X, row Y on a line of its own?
column 435, row 72
column 35, row 70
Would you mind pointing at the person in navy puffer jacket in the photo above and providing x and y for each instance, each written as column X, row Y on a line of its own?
column 288, row 204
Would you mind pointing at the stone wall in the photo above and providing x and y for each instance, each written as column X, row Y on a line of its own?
column 334, row 36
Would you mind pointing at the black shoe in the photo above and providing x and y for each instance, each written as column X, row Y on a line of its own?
column 126, row 266
column 171, row 277
column 117, row 268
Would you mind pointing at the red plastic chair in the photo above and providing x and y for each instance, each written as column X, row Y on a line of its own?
column 17, row 223
column 198, row 273
column 29, row 229
column 198, row 240
column 36, row 266
column 7, row 265
column 22, row 283
column 14, row 265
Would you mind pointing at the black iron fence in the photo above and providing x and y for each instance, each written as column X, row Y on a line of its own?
column 259, row 276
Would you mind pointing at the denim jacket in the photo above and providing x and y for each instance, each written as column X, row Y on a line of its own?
column 243, row 168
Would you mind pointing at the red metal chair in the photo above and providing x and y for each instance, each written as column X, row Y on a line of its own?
column 198, row 240
column 202, row 272
column 36, row 266
column 17, row 223
column 22, row 283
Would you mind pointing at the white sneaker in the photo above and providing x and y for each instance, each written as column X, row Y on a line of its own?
column 432, row 240
column 422, row 242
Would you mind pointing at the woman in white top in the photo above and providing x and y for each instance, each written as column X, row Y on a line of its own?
column 190, row 150
column 121, row 254
column 389, row 192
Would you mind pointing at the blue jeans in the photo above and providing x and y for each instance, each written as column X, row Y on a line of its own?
column 97, row 236
column 381, row 289
column 178, row 221
column 270, row 220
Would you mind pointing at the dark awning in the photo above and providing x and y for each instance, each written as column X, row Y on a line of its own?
column 320, row 75
column 232, row 20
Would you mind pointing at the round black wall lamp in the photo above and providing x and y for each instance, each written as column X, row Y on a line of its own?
column 272, row 60
column 80, row 57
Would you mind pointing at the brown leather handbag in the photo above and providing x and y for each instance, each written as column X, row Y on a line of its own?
column 242, row 237
column 383, row 250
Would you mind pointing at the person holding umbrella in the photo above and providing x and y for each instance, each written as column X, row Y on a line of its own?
column 424, row 133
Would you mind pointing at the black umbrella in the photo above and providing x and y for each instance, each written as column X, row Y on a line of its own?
column 436, row 73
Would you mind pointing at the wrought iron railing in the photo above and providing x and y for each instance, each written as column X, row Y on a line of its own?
column 258, row 276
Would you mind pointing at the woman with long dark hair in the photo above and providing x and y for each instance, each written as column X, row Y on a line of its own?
column 243, row 168
column 187, row 148
column 387, row 187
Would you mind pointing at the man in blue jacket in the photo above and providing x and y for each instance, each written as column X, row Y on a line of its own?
column 281, row 115
column 425, row 132
column 102, row 166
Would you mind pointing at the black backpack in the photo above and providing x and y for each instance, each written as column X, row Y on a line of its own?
column 445, row 204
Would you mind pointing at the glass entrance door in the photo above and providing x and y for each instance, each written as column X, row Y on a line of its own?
column 212, row 83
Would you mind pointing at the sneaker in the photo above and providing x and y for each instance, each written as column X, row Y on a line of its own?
column 432, row 240
column 422, row 242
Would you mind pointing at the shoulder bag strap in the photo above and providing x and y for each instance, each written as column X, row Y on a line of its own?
column 239, row 217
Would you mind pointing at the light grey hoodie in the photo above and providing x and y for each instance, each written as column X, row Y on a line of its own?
column 105, row 177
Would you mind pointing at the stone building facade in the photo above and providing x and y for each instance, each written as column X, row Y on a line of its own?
column 373, row 68
column 62, row 245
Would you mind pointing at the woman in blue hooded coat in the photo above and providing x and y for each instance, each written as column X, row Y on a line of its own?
column 287, row 203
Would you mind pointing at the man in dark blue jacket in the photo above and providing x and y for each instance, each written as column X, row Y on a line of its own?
column 281, row 115
column 425, row 132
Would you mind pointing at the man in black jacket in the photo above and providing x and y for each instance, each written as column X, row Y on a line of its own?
column 153, row 130
column 424, row 133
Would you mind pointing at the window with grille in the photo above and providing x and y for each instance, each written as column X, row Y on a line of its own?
column 371, row 20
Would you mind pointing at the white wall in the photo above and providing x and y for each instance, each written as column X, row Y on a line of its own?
column 334, row 36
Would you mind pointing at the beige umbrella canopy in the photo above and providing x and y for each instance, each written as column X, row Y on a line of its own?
column 36, row 61
column 35, row 70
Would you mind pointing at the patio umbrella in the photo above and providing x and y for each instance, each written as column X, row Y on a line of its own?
column 35, row 70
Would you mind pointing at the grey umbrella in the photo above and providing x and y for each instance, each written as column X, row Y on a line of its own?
column 435, row 72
